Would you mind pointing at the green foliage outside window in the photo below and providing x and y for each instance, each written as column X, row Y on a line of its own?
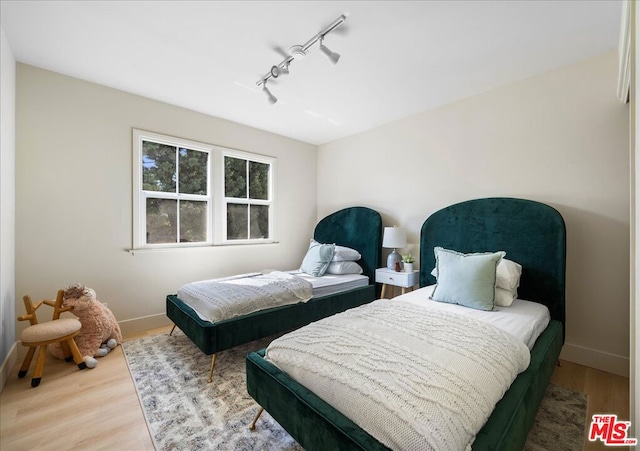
column 246, row 220
column 162, row 166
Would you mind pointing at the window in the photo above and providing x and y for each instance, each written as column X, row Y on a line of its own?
column 194, row 194
column 247, row 198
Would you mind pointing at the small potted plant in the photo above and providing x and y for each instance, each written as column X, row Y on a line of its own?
column 407, row 262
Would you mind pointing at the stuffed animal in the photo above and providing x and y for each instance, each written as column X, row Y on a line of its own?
column 100, row 331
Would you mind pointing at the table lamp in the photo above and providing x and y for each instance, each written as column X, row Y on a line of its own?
column 394, row 237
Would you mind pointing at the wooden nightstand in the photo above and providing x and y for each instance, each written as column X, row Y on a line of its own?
column 387, row 276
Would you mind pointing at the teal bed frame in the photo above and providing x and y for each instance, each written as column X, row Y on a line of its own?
column 534, row 235
column 359, row 228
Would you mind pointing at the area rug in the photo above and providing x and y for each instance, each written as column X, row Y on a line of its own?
column 184, row 412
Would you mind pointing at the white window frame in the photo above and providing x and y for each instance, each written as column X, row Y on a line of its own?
column 222, row 238
column 216, row 201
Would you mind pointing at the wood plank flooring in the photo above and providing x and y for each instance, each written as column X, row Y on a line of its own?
column 99, row 410
column 608, row 393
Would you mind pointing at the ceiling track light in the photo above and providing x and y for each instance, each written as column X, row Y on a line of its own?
column 298, row 52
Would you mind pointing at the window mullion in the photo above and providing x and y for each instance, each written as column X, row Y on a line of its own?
column 248, row 201
column 178, row 234
column 177, row 169
column 178, row 194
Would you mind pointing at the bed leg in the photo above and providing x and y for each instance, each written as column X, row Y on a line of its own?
column 213, row 364
column 559, row 363
column 252, row 426
column 172, row 329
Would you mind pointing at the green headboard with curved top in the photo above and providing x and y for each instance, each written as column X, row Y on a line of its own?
column 533, row 234
column 359, row 228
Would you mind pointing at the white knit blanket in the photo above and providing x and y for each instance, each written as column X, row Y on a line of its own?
column 219, row 299
column 412, row 378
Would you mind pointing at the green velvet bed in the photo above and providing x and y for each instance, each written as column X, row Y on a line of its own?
column 359, row 228
column 534, row 235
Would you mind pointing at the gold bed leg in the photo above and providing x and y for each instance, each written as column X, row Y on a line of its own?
column 252, row 426
column 559, row 363
column 172, row 329
column 213, row 364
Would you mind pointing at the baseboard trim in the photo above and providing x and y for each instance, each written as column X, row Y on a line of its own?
column 7, row 365
column 605, row 361
column 143, row 324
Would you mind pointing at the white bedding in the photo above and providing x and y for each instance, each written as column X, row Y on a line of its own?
column 197, row 296
column 333, row 283
column 524, row 319
column 227, row 298
column 412, row 377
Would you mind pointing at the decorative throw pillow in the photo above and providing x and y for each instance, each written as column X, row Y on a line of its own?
column 317, row 259
column 507, row 275
column 466, row 279
column 344, row 268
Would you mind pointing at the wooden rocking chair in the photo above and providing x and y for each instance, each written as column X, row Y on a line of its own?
column 42, row 334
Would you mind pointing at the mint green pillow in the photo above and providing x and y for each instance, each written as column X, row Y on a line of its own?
column 466, row 279
column 317, row 259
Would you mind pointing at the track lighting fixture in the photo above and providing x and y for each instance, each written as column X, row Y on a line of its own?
column 270, row 97
column 298, row 52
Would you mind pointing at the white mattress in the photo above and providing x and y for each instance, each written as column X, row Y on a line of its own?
column 524, row 319
column 332, row 283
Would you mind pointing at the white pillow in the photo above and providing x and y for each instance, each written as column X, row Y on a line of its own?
column 508, row 275
column 344, row 267
column 345, row 254
column 504, row 298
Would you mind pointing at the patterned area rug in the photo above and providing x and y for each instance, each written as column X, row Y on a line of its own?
column 184, row 412
column 560, row 422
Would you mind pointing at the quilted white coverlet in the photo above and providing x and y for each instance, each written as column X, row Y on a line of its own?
column 412, row 378
column 227, row 298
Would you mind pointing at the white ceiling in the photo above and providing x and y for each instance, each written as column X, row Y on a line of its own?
column 398, row 58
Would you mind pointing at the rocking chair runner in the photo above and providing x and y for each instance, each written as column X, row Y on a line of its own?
column 42, row 334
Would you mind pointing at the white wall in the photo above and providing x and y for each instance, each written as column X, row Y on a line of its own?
column 560, row 138
column 74, row 196
column 7, row 207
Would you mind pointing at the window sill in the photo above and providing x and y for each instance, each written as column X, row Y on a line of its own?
column 156, row 250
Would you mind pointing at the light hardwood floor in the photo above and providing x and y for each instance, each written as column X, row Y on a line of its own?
column 98, row 409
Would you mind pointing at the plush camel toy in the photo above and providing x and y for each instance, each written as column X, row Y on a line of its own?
column 100, row 331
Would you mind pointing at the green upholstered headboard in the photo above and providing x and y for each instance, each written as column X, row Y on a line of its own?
column 533, row 234
column 359, row 228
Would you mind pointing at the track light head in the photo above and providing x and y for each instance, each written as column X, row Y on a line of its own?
column 270, row 97
column 333, row 57
column 285, row 69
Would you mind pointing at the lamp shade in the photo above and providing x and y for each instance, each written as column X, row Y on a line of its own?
column 394, row 237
